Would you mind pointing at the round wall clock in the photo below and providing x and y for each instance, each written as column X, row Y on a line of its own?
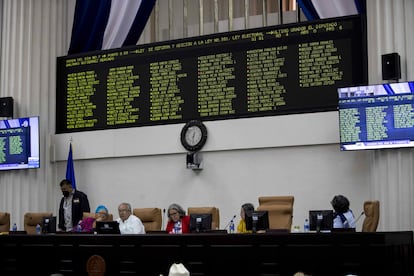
column 193, row 135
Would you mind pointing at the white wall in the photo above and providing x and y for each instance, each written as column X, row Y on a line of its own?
column 242, row 160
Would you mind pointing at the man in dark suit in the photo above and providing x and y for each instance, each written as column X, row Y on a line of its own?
column 72, row 206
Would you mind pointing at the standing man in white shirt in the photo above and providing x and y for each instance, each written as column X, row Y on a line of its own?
column 128, row 222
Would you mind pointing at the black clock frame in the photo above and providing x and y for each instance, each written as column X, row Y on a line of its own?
column 203, row 139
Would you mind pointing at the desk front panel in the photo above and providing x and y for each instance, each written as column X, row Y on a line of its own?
column 381, row 253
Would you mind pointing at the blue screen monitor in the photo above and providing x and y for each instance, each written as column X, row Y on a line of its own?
column 376, row 116
column 19, row 143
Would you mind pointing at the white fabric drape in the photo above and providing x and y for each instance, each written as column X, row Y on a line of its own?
column 331, row 8
column 34, row 33
column 118, row 27
column 391, row 174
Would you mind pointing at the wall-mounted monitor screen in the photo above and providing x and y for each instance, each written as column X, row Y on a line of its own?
column 19, row 143
column 200, row 222
column 257, row 221
column 274, row 70
column 321, row 220
column 376, row 116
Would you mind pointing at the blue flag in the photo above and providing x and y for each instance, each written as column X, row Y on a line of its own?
column 108, row 24
column 70, row 171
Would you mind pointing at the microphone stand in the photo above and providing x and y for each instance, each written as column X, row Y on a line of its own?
column 163, row 221
column 362, row 213
column 227, row 225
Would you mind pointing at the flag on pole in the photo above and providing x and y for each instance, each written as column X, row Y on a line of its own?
column 319, row 9
column 70, row 171
column 108, row 24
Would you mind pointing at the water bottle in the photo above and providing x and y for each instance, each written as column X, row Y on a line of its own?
column 14, row 227
column 79, row 227
column 38, row 229
column 306, row 226
column 177, row 228
column 231, row 227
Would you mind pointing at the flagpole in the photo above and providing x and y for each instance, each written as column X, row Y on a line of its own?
column 70, row 170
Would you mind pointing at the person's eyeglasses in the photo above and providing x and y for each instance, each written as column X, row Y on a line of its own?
column 173, row 214
column 123, row 210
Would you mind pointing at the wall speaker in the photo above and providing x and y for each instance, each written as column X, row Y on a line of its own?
column 391, row 67
column 6, row 107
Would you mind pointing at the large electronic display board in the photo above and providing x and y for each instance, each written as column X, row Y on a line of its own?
column 283, row 69
column 376, row 116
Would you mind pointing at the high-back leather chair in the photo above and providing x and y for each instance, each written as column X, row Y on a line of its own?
column 280, row 209
column 4, row 222
column 92, row 215
column 372, row 213
column 214, row 211
column 31, row 219
column 150, row 217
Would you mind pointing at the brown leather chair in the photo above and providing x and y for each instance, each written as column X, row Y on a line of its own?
column 4, row 222
column 215, row 222
column 92, row 215
column 150, row 217
column 372, row 213
column 31, row 219
column 280, row 209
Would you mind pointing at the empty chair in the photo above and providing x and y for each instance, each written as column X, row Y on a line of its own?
column 280, row 209
column 150, row 217
column 4, row 222
column 31, row 219
column 215, row 222
column 276, row 200
column 372, row 213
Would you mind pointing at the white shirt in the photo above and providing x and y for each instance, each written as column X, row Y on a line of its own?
column 349, row 223
column 132, row 225
column 67, row 212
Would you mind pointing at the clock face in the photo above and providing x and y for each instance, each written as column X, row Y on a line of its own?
column 194, row 135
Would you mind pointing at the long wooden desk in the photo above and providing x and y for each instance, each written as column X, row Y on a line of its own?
column 381, row 253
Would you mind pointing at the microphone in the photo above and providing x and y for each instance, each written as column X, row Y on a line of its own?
column 163, row 221
column 227, row 225
column 362, row 213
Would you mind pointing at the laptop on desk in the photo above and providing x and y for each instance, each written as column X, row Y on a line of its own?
column 107, row 227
